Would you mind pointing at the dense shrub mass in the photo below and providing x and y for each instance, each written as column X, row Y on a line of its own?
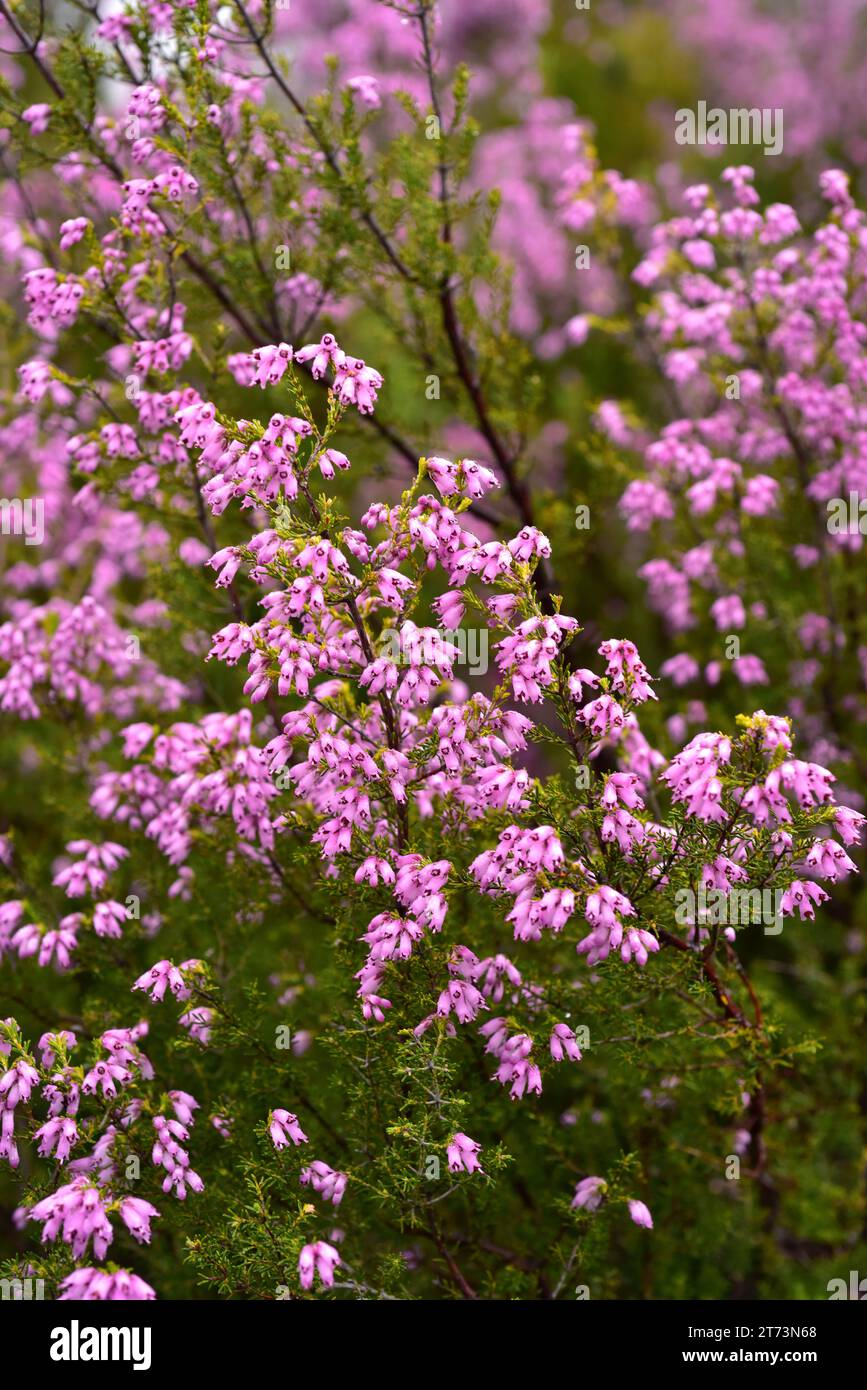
column 432, row 651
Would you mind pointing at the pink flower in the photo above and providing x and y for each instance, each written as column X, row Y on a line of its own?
column 76, row 1211
column 463, row 997
column 462, row 1154
column 136, row 1215
column 589, row 1193
column 604, row 717
column 849, row 825
column 626, row 671
column 57, row 1136
column 184, row 1106
column 328, row 1182
column 319, row 1258
column 17, row 1083
column 102, row 1077
column 803, row 896
column 50, row 1043
column 98, row 1284
column 322, row 353
column 374, row 871
column 829, row 860
column 563, row 1044
column 72, row 231
column 272, row 363
column 37, row 118
column 355, row 383
column 367, row 88
column 161, row 976
column 640, row 1214
column 283, row 1127
column 169, row 1154
column 728, row 613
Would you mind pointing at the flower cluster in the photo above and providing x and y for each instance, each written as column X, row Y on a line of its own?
column 398, row 895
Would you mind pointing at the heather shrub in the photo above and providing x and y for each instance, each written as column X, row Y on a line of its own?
column 431, row 666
